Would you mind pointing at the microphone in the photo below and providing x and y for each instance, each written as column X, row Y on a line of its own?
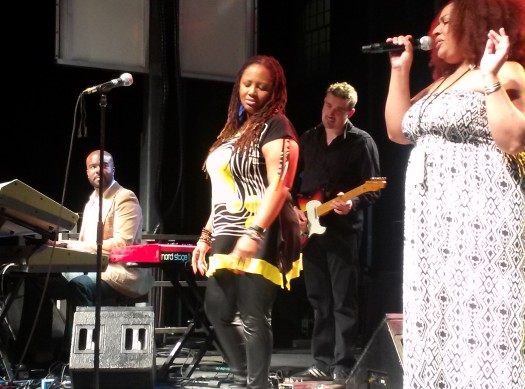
column 424, row 43
column 125, row 79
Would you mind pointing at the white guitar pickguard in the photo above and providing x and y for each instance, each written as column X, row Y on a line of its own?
column 314, row 226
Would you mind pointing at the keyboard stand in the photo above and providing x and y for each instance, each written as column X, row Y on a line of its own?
column 4, row 308
column 199, row 321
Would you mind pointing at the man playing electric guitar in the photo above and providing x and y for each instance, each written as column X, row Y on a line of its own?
column 335, row 157
column 314, row 209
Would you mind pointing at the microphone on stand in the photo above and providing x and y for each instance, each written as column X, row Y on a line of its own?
column 424, row 43
column 125, row 79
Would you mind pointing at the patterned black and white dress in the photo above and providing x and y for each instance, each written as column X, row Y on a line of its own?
column 464, row 276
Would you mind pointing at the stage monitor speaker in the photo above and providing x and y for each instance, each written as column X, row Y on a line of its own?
column 381, row 362
column 126, row 345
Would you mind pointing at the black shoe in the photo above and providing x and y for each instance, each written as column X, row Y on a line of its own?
column 239, row 382
column 39, row 360
column 340, row 375
column 311, row 374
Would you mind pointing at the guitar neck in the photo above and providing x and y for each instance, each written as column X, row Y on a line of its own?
column 324, row 208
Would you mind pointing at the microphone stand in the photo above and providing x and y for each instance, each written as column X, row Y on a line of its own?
column 100, row 236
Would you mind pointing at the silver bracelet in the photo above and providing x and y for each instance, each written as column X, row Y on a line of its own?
column 493, row 88
column 254, row 235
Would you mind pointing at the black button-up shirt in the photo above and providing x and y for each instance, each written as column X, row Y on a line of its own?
column 346, row 163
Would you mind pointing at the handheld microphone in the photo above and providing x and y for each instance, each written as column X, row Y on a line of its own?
column 125, row 79
column 424, row 43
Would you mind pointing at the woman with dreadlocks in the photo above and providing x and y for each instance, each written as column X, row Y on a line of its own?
column 252, row 234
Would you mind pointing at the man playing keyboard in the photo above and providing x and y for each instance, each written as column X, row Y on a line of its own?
column 122, row 226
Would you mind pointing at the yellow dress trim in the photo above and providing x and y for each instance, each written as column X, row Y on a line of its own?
column 295, row 271
column 254, row 266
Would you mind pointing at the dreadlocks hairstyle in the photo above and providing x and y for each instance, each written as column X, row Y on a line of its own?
column 237, row 121
column 470, row 22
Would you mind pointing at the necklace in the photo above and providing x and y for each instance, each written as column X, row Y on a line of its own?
column 433, row 96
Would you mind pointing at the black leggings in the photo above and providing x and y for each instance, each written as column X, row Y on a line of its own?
column 239, row 306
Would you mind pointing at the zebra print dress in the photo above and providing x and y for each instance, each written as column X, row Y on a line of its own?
column 239, row 182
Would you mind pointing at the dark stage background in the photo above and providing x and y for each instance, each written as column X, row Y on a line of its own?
column 40, row 96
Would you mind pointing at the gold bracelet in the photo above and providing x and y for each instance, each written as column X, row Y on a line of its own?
column 493, row 88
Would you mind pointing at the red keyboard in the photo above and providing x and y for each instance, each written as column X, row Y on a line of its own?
column 152, row 253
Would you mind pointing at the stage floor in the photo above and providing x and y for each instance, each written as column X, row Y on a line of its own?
column 209, row 372
column 212, row 372
column 184, row 371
